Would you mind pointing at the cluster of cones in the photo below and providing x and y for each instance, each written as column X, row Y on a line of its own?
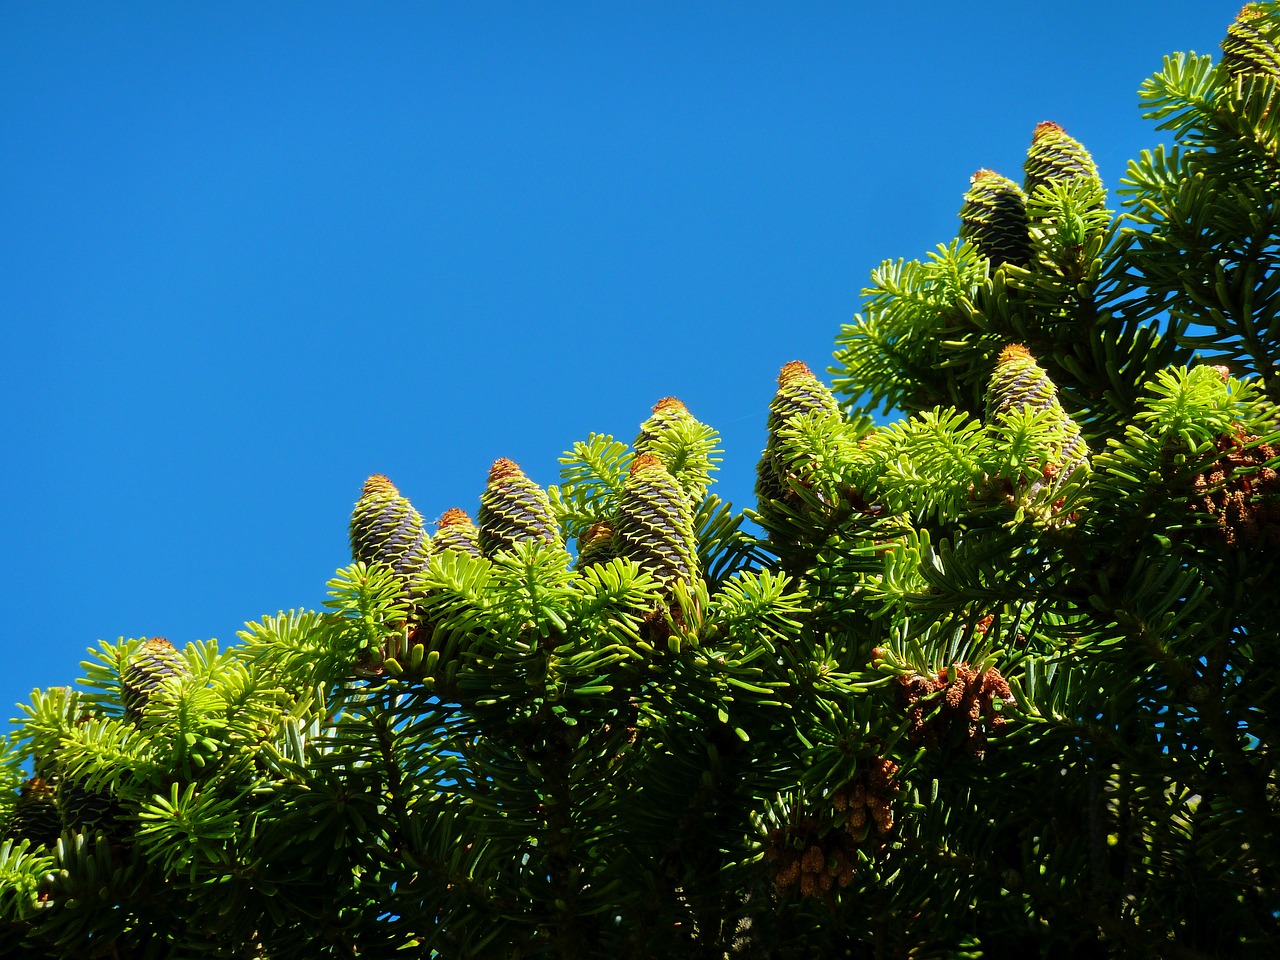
column 653, row 525
column 958, row 698
column 52, row 801
column 1239, row 492
column 818, row 853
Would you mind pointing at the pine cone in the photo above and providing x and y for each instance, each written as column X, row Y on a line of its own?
column 90, row 811
column 799, row 392
column 994, row 218
column 597, row 545
column 512, row 509
column 655, row 522
column 385, row 529
column 666, row 413
column 1249, row 48
column 1019, row 383
column 458, row 532
column 662, row 436
column 35, row 817
column 154, row 662
column 1055, row 157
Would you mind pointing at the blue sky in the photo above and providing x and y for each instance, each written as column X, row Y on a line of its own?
column 250, row 256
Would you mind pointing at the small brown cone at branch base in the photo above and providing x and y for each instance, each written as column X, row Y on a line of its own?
column 1239, row 492
column 819, row 849
column 969, row 701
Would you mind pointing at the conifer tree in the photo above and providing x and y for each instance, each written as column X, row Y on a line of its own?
column 994, row 677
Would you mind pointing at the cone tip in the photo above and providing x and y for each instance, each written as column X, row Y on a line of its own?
column 670, row 404
column 379, row 485
column 1014, row 351
column 645, row 461
column 793, row 371
column 504, row 469
column 1046, row 128
column 455, row 517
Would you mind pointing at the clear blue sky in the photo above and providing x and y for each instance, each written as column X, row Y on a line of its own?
column 252, row 253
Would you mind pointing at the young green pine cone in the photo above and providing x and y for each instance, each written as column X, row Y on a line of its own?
column 1055, row 157
column 1249, row 48
column 666, row 413
column 154, row 662
column 597, row 545
column 655, row 523
column 385, row 529
column 36, row 817
column 799, row 392
column 458, row 532
column 684, row 445
column 88, row 811
column 1019, row 383
column 994, row 217
column 513, row 508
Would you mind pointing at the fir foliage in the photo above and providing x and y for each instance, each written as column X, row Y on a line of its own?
column 997, row 677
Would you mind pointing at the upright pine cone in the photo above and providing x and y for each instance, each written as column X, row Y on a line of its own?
column 1055, row 157
column 597, row 545
column 666, row 413
column 1249, row 48
column 90, row 811
column 458, row 532
column 690, row 463
column 513, row 508
column 1019, row 383
column 154, row 662
column 385, row 529
column 994, row 217
column 799, row 392
column 36, row 817
column 655, row 522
